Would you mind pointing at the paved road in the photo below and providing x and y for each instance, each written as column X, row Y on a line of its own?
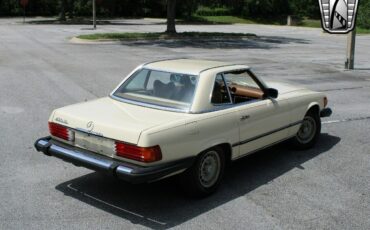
column 323, row 188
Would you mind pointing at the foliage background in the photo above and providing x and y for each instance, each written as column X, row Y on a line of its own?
column 270, row 9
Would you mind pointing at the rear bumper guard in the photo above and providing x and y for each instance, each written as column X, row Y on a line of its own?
column 326, row 112
column 122, row 170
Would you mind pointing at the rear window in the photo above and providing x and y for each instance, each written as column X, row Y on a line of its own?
column 164, row 89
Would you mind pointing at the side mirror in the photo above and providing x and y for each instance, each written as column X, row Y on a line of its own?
column 271, row 93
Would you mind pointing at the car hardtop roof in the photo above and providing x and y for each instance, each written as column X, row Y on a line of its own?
column 188, row 66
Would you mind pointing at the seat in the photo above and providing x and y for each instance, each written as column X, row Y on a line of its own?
column 163, row 90
column 186, row 91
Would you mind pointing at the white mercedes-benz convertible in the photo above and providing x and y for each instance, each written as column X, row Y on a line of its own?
column 182, row 116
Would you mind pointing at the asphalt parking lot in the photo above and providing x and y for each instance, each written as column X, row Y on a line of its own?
column 323, row 188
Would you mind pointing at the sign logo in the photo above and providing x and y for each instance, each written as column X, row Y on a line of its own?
column 90, row 126
column 338, row 16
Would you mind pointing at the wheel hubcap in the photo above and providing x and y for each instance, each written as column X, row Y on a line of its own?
column 307, row 130
column 209, row 169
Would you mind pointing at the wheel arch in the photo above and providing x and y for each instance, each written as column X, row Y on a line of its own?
column 315, row 107
column 226, row 147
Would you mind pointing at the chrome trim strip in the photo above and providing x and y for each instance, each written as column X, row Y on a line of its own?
column 266, row 134
column 123, row 169
column 218, row 107
column 153, row 106
column 43, row 143
column 90, row 133
column 264, row 147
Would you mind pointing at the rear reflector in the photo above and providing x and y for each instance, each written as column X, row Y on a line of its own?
column 61, row 131
column 143, row 154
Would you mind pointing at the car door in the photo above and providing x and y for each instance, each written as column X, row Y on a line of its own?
column 261, row 124
column 262, row 121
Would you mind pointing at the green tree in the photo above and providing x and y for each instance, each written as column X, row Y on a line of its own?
column 305, row 8
column 63, row 7
column 363, row 17
column 171, row 16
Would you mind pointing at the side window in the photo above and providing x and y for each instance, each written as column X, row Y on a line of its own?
column 220, row 93
column 242, row 87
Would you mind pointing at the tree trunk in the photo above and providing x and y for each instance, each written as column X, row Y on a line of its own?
column 63, row 6
column 171, row 16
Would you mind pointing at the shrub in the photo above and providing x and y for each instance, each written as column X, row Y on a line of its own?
column 363, row 17
column 208, row 11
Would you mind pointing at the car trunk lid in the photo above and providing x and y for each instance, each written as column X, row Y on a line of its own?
column 112, row 119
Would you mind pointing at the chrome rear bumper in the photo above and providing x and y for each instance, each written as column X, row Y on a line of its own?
column 123, row 170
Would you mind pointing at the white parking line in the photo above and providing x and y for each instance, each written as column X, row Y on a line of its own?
column 112, row 205
column 346, row 120
column 329, row 122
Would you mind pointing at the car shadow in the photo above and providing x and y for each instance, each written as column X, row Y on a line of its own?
column 258, row 42
column 163, row 205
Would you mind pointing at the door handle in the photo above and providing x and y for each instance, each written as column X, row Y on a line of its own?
column 244, row 117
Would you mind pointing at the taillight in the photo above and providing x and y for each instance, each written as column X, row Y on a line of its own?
column 143, row 154
column 325, row 101
column 61, row 131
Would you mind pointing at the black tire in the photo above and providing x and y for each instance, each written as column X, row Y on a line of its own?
column 196, row 183
column 309, row 131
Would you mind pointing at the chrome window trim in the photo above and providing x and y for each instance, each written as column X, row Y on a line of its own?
column 126, row 78
column 227, row 88
column 215, row 67
column 189, row 111
column 150, row 105
column 210, row 96
column 218, row 107
column 166, row 71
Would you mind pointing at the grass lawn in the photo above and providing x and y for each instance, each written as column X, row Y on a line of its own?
column 310, row 23
column 226, row 19
column 162, row 35
column 363, row 31
column 317, row 24
column 234, row 19
column 314, row 23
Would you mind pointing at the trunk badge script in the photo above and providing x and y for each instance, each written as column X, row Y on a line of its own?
column 90, row 126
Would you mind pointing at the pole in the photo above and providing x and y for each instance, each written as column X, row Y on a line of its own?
column 351, row 40
column 94, row 14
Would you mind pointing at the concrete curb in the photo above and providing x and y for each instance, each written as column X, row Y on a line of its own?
column 76, row 40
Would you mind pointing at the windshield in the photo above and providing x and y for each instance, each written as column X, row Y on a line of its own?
column 164, row 89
